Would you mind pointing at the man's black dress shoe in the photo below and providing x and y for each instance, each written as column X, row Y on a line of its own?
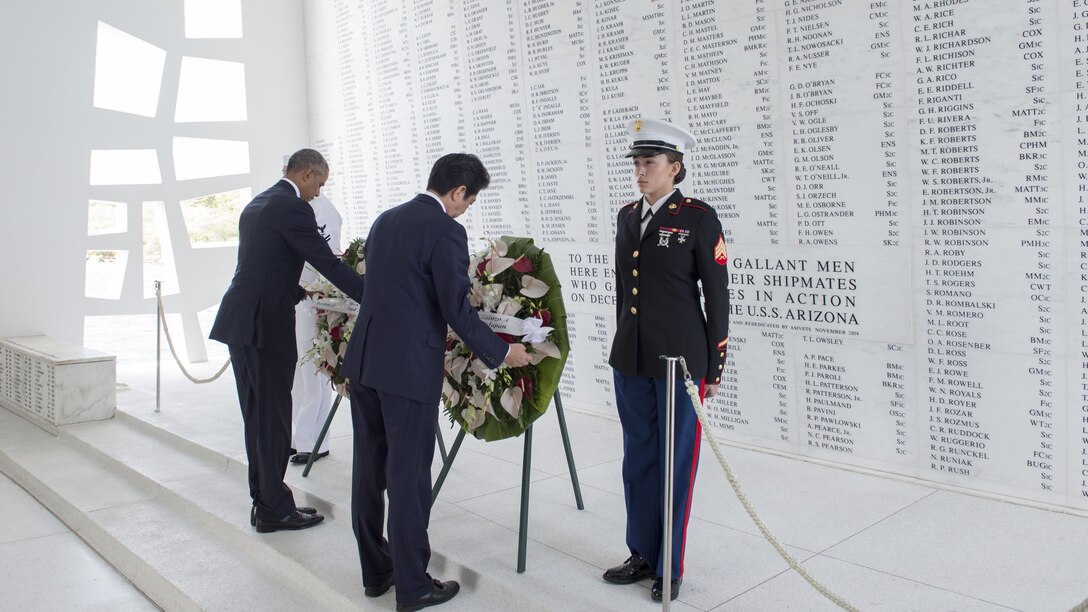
column 295, row 520
column 657, row 591
column 441, row 592
column 302, row 509
column 381, row 589
column 304, row 457
column 633, row 569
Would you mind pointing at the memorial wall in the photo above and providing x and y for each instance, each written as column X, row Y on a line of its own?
column 902, row 186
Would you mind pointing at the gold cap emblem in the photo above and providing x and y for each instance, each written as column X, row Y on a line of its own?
column 638, row 125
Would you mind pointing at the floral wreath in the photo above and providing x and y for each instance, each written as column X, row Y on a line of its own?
column 516, row 292
column 334, row 326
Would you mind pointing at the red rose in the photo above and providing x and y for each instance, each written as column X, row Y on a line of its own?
column 335, row 333
column 544, row 315
column 480, row 269
column 526, row 385
column 449, row 343
column 507, row 338
column 523, row 265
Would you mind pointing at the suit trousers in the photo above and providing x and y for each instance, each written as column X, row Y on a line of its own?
column 641, row 404
column 394, row 448
column 264, row 393
column 311, row 395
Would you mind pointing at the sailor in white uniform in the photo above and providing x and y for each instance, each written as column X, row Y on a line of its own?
column 311, row 394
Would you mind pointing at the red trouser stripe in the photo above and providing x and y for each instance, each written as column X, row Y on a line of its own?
column 691, row 480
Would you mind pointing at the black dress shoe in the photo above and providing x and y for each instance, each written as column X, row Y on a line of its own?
column 631, row 571
column 295, row 520
column 302, row 509
column 304, row 457
column 657, row 591
column 381, row 589
column 441, row 592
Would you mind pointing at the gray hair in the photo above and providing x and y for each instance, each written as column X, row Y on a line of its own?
column 307, row 158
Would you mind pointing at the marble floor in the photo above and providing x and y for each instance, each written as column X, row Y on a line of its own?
column 45, row 567
column 882, row 543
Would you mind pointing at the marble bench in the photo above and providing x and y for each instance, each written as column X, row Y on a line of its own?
column 50, row 382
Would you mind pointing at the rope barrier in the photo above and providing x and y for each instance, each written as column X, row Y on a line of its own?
column 173, row 351
column 697, row 402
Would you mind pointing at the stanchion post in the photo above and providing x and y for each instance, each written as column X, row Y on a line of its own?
column 670, row 426
column 158, row 345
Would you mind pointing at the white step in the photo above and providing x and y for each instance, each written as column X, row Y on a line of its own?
column 167, row 547
column 174, row 518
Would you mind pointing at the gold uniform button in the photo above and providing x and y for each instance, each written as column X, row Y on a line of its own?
column 721, row 367
column 721, row 354
column 634, row 291
column 634, row 310
column 634, row 273
column 635, row 254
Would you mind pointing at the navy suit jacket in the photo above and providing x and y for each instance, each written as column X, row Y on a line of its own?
column 417, row 283
column 277, row 233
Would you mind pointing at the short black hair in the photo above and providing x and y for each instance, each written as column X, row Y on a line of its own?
column 671, row 156
column 456, row 169
column 307, row 158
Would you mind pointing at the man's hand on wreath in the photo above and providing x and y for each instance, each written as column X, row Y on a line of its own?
column 518, row 356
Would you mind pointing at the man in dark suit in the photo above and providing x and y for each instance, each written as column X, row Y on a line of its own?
column 417, row 279
column 277, row 233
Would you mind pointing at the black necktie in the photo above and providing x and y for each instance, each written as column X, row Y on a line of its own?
column 646, row 215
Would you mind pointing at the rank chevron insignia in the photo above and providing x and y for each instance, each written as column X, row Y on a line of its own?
column 720, row 256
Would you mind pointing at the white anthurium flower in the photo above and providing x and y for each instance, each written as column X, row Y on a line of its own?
column 533, row 287
column 511, row 401
column 452, row 396
column 481, row 370
column 498, row 265
column 499, row 247
column 543, row 350
column 329, row 355
column 478, row 400
column 473, row 263
column 481, row 417
column 508, row 306
column 457, row 367
column 492, row 296
column 343, row 349
column 360, row 268
column 473, row 418
column 476, row 294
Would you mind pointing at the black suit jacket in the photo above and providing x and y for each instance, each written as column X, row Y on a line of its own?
column 277, row 233
column 417, row 283
column 657, row 292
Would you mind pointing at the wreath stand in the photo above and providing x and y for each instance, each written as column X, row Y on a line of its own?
column 447, row 463
column 526, row 463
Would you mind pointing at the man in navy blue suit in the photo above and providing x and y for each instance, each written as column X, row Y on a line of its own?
column 417, row 284
column 277, row 233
